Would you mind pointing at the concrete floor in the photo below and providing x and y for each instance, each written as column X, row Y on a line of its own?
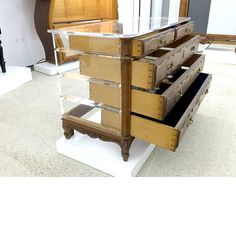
column 30, row 125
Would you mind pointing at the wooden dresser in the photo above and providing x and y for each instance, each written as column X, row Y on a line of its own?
column 143, row 77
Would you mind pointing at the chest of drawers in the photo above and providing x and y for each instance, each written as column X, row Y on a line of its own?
column 144, row 80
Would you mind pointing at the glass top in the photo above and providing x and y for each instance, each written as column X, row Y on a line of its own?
column 123, row 28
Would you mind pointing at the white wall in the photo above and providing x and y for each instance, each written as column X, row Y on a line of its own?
column 222, row 19
column 21, row 44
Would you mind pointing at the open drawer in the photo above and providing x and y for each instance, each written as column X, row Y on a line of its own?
column 157, row 104
column 143, row 45
column 184, row 30
column 148, row 72
column 167, row 134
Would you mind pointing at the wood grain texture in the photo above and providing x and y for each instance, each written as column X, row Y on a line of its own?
column 95, row 45
column 59, row 12
column 101, row 68
column 105, row 94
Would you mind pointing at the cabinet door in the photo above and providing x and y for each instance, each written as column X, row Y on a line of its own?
column 75, row 9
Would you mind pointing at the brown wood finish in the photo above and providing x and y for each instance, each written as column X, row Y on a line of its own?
column 165, row 135
column 51, row 14
column 137, row 108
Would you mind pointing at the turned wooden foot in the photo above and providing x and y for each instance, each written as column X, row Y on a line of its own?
column 68, row 133
column 125, row 147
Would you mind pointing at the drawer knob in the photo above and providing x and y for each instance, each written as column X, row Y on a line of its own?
column 187, row 30
column 170, row 66
column 163, row 42
column 190, row 121
column 193, row 48
column 207, row 91
column 180, row 94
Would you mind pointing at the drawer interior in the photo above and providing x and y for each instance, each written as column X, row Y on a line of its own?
column 177, row 112
column 173, row 78
column 181, row 41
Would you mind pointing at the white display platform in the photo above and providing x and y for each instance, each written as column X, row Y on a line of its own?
column 105, row 156
column 51, row 69
column 13, row 78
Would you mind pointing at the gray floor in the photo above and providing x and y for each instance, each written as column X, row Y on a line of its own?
column 30, row 124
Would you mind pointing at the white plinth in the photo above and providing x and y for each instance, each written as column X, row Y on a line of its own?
column 105, row 156
column 13, row 78
column 51, row 69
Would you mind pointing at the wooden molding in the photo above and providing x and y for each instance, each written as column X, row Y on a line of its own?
column 218, row 38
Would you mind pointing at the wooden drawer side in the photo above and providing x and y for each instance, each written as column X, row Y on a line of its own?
column 105, row 94
column 95, row 45
column 101, row 68
column 153, row 132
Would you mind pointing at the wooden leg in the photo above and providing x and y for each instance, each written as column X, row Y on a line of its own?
column 68, row 131
column 125, row 147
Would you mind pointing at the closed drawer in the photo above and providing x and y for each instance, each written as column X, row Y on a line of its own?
column 167, row 134
column 184, row 30
column 148, row 72
column 144, row 45
column 110, row 119
column 158, row 104
column 110, row 46
column 101, row 67
column 106, row 94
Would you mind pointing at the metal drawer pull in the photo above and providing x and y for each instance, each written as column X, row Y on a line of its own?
column 190, row 121
column 187, row 30
column 170, row 66
column 207, row 91
column 193, row 48
column 180, row 94
column 163, row 42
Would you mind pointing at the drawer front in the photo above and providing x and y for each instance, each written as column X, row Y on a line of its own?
column 101, row 68
column 95, row 45
column 148, row 72
column 184, row 30
column 178, row 89
column 168, row 133
column 106, row 94
column 144, row 45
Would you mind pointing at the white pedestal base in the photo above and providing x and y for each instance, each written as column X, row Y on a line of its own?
column 105, row 156
column 51, row 69
column 13, row 78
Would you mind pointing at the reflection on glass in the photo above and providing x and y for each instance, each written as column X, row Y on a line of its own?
column 123, row 28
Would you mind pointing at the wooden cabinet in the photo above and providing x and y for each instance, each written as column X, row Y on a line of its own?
column 54, row 14
column 146, row 85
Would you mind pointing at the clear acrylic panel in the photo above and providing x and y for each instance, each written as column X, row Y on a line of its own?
column 122, row 28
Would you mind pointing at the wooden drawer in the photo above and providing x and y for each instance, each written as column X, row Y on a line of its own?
column 167, row 134
column 155, row 105
column 144, row 45
column 110, row 46
column 158, row 104
column 184, row 30
column 110, row 119
column 148, row 72
column 106, row 94
column 101, row 67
